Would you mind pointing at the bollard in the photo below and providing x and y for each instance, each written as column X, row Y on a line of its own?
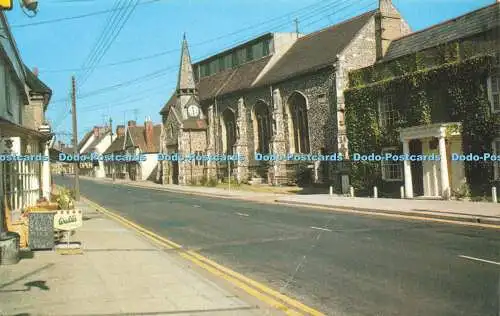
column 402, row 191
column 351, row 191
column 494, row 194
column 375, row 192
column 331, row 190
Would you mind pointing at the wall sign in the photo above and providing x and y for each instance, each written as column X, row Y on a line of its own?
column 68, row 219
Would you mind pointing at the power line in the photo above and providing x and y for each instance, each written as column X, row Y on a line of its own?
column 124, row 19
column 104, row 32
column 250, row 27
column 164, row 71
column 81, row 16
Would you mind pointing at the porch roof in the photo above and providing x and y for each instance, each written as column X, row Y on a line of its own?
column 431, row 130
column 10, row 129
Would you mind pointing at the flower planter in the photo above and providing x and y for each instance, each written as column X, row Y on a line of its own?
column 9, row 248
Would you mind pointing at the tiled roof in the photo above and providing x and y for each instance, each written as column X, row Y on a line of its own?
column 116, row 145
column 309, row 53
column 232, row 80
column 466, row 25
column 194, row 124
column 84, row 140
column 35, row 84
column 316, row 50
column 170, row 104
column 95, row 142
column 137, row 133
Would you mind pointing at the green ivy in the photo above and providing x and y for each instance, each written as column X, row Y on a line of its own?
column 460, row 82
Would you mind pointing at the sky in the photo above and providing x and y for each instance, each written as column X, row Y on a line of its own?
column 125, row 62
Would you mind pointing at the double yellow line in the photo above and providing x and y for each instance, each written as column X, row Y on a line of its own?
column 265, row 294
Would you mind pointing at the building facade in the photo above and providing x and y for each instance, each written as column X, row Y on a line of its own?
column 22, row 183
column 279, row 94
column 435, row 92
column 143, row 141
column 95, row 142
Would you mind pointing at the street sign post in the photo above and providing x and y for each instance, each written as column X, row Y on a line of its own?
column 6, row 4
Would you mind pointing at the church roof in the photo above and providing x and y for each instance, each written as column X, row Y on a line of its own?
column 186, row 74
column 316, row 50
column 308, row 54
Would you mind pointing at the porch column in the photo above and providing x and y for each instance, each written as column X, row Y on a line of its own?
column 407, row 171
column 445, row 184
column 46, row 173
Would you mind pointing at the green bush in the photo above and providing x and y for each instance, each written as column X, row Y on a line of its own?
column 303, row 175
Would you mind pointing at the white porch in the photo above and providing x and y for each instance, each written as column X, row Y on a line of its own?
column 439, row 177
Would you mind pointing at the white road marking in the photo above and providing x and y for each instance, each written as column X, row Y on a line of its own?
column 242, row 214
column 479, row 259
column 319, row 228
column 196, row 206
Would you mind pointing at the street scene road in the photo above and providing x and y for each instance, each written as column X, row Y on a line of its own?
column 341, row 264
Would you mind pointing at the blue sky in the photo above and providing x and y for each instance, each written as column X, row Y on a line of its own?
column 60, row 49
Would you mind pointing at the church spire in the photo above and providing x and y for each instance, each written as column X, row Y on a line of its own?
column 185, row 82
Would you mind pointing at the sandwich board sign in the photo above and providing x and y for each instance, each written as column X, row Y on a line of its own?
column 68, row 219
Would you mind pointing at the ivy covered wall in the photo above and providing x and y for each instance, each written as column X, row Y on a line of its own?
column 438, row 85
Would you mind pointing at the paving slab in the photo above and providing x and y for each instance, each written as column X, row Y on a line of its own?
column 119, row 272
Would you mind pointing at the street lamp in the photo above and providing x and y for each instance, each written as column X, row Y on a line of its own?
column 29, row 7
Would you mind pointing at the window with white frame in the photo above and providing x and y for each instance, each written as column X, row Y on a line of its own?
column 494, row 87
column 391, row 170
column 21, row 183
column 496, row 164
column 387, row 110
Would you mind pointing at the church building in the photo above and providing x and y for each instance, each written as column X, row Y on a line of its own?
column 280, row 93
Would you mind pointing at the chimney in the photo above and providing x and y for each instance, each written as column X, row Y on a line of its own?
column 35, row 71
column 388, row 27
column 120, row 130
column 131, row 123
column 96, row 131
column 148, row 131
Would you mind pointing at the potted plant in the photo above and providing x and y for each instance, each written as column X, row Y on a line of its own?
column 65, row 199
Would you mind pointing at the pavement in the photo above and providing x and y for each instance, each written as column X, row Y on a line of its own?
column 460, row 211
column 338, row 263
column 119, row 273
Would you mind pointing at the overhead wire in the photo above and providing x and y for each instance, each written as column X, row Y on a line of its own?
column 108, row 36
column 227, row 35
column 159, row 73
column 80, row 16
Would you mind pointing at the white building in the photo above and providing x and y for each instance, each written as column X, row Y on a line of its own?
column 143, row 140
column 96, row 141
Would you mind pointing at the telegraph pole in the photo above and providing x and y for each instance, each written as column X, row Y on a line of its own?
column 112, row 161
column 75, row 138
column 296, row 21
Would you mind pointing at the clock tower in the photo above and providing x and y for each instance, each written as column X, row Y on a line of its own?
column 185, row 126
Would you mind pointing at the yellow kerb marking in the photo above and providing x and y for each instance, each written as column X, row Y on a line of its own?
column 257, row 290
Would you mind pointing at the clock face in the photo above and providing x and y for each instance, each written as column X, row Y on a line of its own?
column 193, row 111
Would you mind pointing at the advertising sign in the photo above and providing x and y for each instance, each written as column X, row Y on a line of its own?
column 68, row 219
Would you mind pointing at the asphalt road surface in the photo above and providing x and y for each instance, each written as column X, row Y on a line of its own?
column 339, row 263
